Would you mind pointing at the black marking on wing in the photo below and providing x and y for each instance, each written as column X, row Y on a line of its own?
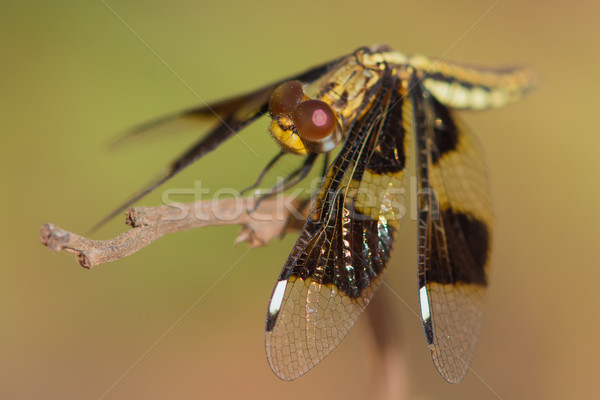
column 341, row 253
column 444, row 130
column 389, row 157
column 366, row 252
column 467, row 242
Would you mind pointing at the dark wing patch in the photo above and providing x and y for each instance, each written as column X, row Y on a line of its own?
column 344, row 247
column 454, row 225
column 445, row 132
column 389, row 156
column 467, row 240
column 233, row 115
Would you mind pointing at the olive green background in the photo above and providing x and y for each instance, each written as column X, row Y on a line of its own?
column 167, row 322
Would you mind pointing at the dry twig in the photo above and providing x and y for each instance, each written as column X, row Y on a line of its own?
column 273, row 218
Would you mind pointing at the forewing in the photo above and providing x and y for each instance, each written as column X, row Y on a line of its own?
column 344, row 247
column 232, row 115
column 454, row 228
column 459, row 85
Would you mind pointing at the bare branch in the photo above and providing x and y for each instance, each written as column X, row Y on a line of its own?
column 273, row 218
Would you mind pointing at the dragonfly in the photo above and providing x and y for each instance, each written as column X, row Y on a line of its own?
column 382, row 114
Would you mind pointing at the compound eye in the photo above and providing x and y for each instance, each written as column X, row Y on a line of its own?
column 285, row 98
column 314, row 120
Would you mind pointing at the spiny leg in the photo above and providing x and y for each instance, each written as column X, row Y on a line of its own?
column 289, row 181
column 263, row 173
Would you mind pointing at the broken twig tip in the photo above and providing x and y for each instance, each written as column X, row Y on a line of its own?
column 151, row 223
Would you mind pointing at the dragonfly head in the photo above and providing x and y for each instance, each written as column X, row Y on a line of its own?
column 300, row 124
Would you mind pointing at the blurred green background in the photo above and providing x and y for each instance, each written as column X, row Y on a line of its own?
column 73, row 75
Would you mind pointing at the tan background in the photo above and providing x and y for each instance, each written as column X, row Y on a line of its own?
column 73, row 75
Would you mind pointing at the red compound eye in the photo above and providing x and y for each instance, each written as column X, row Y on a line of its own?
column 285, row 98
column 314, row 120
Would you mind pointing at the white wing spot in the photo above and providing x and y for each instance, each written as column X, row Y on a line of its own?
column 277, row 298
column 424, row 303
